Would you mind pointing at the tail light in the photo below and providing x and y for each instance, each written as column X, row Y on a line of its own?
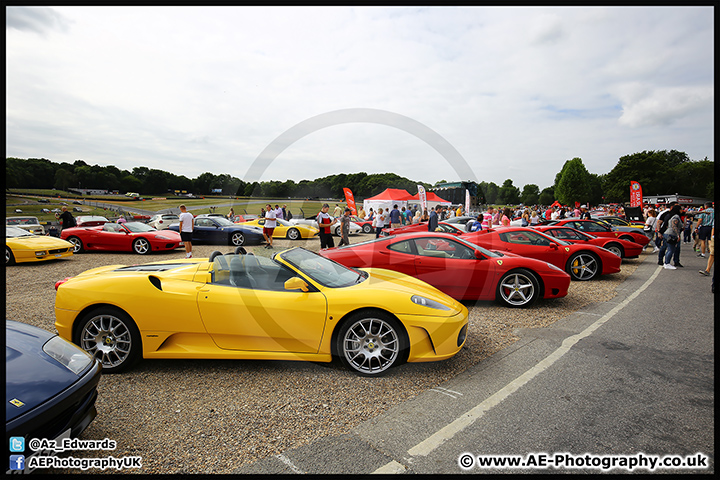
column 60, row 282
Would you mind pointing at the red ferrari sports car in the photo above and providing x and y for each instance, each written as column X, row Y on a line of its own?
column 121, row 237
column 581, row 261
column 366, row 225
column 620, row 247
column 459, row 268
column 600, row 229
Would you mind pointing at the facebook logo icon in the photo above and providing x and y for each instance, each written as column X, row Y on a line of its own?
column 17, row 462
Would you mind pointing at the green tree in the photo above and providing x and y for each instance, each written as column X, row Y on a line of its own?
column 509, row 194
column 63, row 179
column 530, row 194
column 547, row 196
column 573, row 184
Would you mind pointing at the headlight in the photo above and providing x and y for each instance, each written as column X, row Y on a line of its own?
column 426, row 302
column 555, row 267
column 69, row 355
column 160, row 237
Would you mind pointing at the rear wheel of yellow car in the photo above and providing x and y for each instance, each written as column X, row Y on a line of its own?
column 9, row 257
column 370, row 343
column 111, row 336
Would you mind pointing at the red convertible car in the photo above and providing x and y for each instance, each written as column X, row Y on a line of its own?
column 581, row 261
column 459, row 268
column 601, row 229
column 620, row 247
column 121, row 237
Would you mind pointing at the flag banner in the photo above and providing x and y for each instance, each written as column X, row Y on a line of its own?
column 635, row 194
column 350, row 200
column 423, row 198
column 467, row 201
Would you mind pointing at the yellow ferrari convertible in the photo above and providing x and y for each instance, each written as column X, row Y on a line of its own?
column 296, row 305
column 285, row 229
column 23, row 246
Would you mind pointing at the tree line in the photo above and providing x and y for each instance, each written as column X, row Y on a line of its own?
column 659, row 172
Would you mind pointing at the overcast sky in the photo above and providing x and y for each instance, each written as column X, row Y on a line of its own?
column 427, row 93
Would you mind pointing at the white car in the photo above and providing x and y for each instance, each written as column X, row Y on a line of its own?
column 29, row 224
column 310, row 221
column 163, row 221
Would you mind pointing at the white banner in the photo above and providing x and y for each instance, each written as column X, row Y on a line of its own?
column 467, row 202
column 423, row 198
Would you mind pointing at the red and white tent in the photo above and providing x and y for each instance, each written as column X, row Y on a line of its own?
column 432, row 200
column 387, row 199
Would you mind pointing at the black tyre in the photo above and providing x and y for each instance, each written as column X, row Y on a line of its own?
column 9, row 257
column 583, row 266
column 293, row 234
column 77, row 244
column 338, row 231
column 237, row 239
column 367, row 228
column 141, row 246
column 111, row 336
column 370, row 343
column 518, row 288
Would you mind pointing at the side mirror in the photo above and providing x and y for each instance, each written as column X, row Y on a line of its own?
column 553, row 246
column 296, row 283
column 479, row 255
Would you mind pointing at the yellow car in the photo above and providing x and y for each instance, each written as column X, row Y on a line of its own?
column 296, row 305
column 23, row 246
column 286, row 229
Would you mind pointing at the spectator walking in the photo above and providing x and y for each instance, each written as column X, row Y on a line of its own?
column 186, row 230
column 325, row 221
column 505, row 219
column 711, row 254
column 379, row 222
column 433, row 219
column 395, row 221
column 672, row 234
column 649, row 229
column 345, row 228
column 660, row 226
column 337, row 211
column 270, row 224
column 67, row 219
column 706, row 222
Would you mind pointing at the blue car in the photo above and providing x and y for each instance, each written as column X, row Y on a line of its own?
column 221, row 231
column 50, row 390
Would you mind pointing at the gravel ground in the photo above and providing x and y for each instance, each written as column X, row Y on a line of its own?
column 212, row 416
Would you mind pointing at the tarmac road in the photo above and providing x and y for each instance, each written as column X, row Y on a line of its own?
column 632, row 378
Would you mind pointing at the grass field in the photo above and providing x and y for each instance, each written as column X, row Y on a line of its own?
column 29, row 203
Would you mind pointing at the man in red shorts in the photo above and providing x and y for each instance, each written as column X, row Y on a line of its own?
column 270, row 224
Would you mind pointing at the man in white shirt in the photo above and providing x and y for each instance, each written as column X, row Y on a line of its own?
column 186, row 230
column 270, row 224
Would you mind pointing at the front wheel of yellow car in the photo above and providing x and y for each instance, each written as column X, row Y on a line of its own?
column 370, row 343
column 9, row 257
column 111, row 336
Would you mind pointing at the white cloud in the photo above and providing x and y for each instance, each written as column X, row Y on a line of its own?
column 517, row 91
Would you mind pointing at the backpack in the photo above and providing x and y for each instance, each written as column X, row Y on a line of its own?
column 663, row 221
